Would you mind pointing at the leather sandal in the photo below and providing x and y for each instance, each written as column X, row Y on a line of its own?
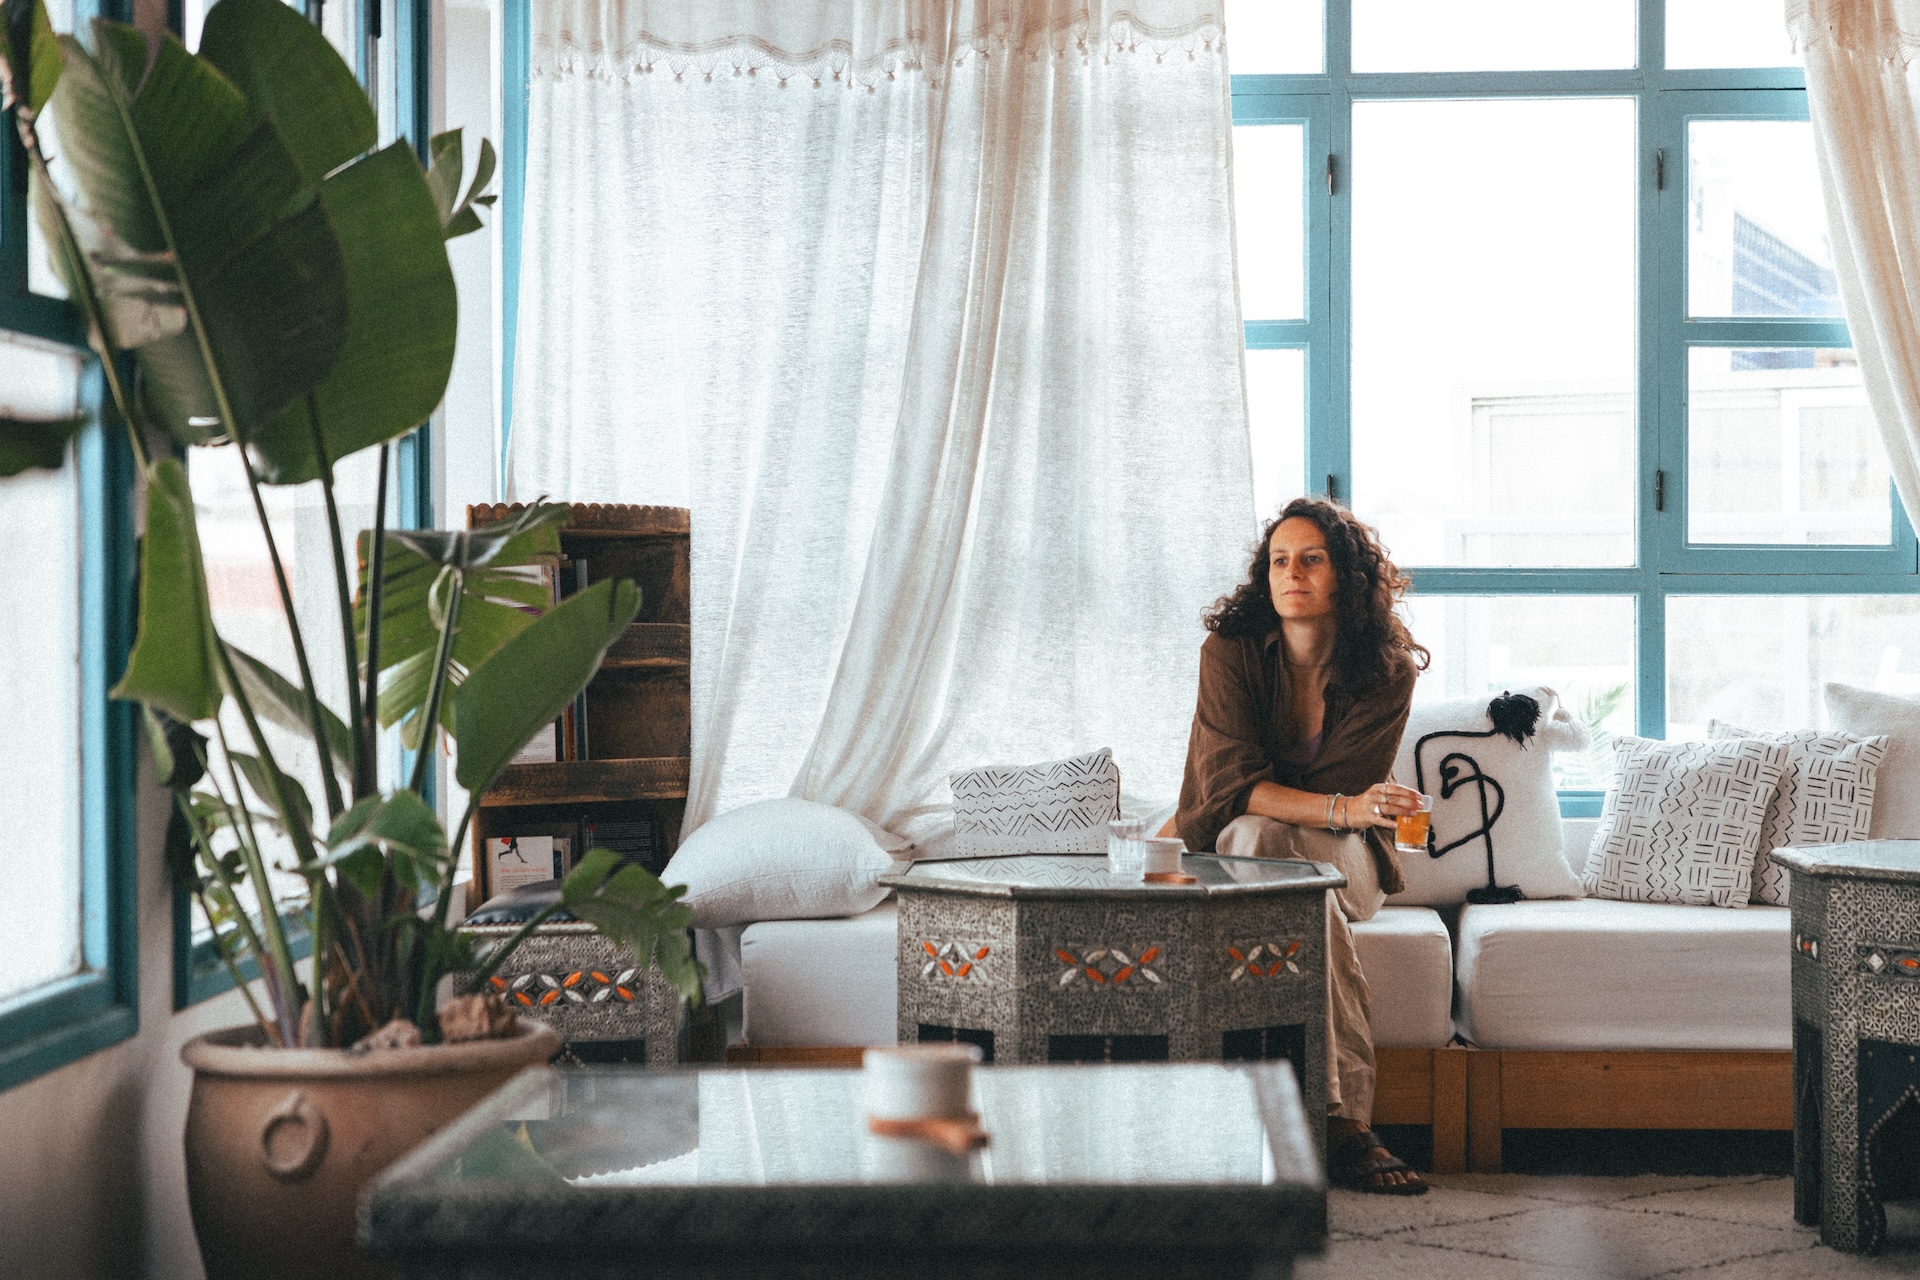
column 1348, row 1166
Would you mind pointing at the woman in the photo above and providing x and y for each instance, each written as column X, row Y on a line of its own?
column 1305, row 683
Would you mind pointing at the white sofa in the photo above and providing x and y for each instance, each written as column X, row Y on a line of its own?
column 1550, row 1014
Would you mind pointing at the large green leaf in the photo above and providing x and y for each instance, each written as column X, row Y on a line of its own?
column 503, row 592
column 290, row 74
column 533, row 677
column 402, row 317
column 458, row 216
column 28, row 443
column 400, row 831
column 631, row 906
column 173, row 664
column 29, row 55
column 192, row 217
column 261, row 776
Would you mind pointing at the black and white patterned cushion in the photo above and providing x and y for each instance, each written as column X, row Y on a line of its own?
column 1825, row 796
column 1059, row 806
column 1682, row 821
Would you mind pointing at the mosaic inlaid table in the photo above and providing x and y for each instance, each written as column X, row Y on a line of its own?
column 1048, row 958
column 1856, row 1035
column 585, row 986
column 1151, row 1171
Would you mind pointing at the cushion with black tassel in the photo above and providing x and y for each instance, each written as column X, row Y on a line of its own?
column 1488, row 764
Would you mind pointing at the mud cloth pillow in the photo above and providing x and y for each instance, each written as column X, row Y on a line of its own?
column 1497, row 752
column 1682, row 820
column 1057, row 806
column 1825, row 796
column 1896, row 803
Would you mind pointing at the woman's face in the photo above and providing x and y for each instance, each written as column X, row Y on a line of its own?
column 1300, row 571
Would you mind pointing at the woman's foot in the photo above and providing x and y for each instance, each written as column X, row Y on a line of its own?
column 1357, row 1161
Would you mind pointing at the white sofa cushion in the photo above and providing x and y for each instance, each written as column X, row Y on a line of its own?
column 1595, row 974
column 780, row 860
column 835, row 982
column 821, row 982
column 1407, row 956
column 1454, row 752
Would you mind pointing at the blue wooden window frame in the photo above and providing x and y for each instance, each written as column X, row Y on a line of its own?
column 1665, row 564
column 198, row 973
column 99, row 1006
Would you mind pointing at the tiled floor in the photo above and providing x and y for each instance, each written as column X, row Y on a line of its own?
column 1510, row 1227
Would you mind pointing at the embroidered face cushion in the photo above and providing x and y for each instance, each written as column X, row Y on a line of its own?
column 1488, row 764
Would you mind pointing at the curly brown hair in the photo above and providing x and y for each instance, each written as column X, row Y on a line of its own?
column 1369, row 634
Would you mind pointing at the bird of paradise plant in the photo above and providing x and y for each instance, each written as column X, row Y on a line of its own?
column 255, row 273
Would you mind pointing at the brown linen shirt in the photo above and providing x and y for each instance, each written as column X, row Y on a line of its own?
column 1240, row 735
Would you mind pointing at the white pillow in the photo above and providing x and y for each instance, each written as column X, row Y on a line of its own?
column 1682, row 820
column 1460, row 756
column 780, row 860
column 1896, row 804
column 1058, row 806
column 1825, row 796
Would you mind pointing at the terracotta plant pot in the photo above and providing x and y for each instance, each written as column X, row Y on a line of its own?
column 280, row 1142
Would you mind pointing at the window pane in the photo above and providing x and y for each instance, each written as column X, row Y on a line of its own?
column 1760, row 661
column 1277, row 422
column 40, row 698
column 1728, row 33
column 247, row 613
column 1756, row 221
column 1269, row 213
column 1781, row 448
column 1491, row 35
column 1274, row 37
column 1579, row 646
column 1493, row 367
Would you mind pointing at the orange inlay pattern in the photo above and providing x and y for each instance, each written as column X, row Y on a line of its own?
column 578, row 986
column 948, row 959
column 1108, row 967
column 1263, row 959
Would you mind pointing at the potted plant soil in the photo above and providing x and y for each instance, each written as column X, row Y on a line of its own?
column 257, row 274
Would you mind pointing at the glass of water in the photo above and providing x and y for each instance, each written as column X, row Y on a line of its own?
column 1127, row 849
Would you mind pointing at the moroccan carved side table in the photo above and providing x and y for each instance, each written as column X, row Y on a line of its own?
column 1856, row 1035
column 585, row 986
column 1047, row 958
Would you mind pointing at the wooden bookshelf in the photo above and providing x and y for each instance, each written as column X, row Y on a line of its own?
column 638, row 709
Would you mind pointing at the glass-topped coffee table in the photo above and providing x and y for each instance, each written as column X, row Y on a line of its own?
column 1149, row 1171
column 1048, row 958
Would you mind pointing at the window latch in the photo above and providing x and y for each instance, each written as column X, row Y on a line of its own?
column 1659, row 491
column 1333, row 170
column 1660, row 170
column 1333, row 487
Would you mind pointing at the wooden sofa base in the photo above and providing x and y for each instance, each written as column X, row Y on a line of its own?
column 1624, row 1089
column 1413, row 1086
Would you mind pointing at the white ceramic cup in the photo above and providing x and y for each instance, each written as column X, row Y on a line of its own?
column 919, row 1081
column 1163, row 855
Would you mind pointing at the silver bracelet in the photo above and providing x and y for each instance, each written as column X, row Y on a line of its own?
column 1332, row 800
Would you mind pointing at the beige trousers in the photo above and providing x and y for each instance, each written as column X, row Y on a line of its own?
column 1350, row 1071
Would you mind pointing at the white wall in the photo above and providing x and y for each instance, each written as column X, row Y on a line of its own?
column 92, row 1180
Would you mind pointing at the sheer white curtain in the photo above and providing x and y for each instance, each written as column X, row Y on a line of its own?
column 1864, row 96
column 927, row 311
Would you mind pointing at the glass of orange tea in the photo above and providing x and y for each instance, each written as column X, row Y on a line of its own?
column 1410, row 829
